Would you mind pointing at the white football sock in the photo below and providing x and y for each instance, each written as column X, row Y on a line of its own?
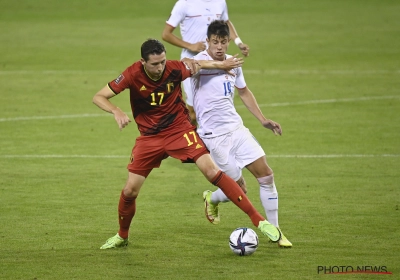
column 218, row 196
column 269, row 198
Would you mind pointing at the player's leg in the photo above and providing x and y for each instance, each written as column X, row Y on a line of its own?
column 242, row 183
column 213, row 199
column 127, row 202
column 249, row 154
column 236, row 195
column 187, row 145
column 218, row 196
column 222, row 151
column 268, row 193
column 146, row 155
column 126, row 211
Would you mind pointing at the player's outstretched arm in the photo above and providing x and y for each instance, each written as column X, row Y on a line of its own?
column 227, row 64
column 251, row 104
column 101, row 99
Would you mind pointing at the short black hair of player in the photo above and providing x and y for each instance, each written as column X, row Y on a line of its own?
column 219, row 28
column 151, row 46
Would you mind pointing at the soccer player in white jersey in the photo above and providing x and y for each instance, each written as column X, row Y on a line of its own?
column 193, row 18
column 230, row 143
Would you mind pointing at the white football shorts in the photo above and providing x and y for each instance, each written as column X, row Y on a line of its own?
column 234, row 150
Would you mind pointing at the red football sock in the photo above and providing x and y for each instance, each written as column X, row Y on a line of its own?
column 126, row 211
column 237, row 196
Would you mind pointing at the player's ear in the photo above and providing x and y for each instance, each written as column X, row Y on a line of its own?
column 142, row 61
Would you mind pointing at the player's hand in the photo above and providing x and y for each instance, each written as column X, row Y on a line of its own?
column 232, row 62
column 244, row 49
column 121, row 118
column 191, row 64
column 274, row 126
column 198, row 47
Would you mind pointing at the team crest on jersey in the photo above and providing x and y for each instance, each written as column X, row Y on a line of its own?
column 170, row 87
column 119, row 79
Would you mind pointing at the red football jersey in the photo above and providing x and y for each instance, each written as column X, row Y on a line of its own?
column 156, row 105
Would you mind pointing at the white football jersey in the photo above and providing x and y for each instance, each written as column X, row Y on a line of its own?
column 213, row 93
column 194, row 16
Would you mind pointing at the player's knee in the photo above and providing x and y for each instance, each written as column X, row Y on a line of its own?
column 269, row 192
column 134, row 182
column 210, row 174
column 207, row 166
column 267, row 181
column 130, row 192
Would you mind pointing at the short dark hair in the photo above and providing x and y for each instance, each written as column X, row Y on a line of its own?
column 219, row 28
column 151, row 46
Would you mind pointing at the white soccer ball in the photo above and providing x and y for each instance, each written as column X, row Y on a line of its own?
column 243, row 241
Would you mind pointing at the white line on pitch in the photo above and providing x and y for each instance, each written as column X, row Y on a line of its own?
column 333, row 156
column 269, row 156
column 54, row 117
column 56, row 72
column 319, row 71
column 63, row 156
column 323, row 101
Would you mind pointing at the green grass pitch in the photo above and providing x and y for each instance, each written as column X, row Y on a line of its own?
column 327, row 70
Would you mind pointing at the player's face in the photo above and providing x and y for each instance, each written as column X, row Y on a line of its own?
column 217, row 47
column 155, row 65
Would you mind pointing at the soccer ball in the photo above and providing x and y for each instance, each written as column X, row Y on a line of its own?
column 243, row 241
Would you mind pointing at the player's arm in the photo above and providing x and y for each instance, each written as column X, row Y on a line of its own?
column 101, row 99
column 227, row 64
column 235, row 37
column 251, row 104
column 168, row 36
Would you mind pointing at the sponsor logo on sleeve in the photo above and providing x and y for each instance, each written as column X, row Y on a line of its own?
column 119, row 79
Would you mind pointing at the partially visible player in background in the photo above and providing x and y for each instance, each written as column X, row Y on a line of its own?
column 159, row 111
column 221, row 128
column 193, row 18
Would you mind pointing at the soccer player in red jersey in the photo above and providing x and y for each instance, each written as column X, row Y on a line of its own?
column 165, row 130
